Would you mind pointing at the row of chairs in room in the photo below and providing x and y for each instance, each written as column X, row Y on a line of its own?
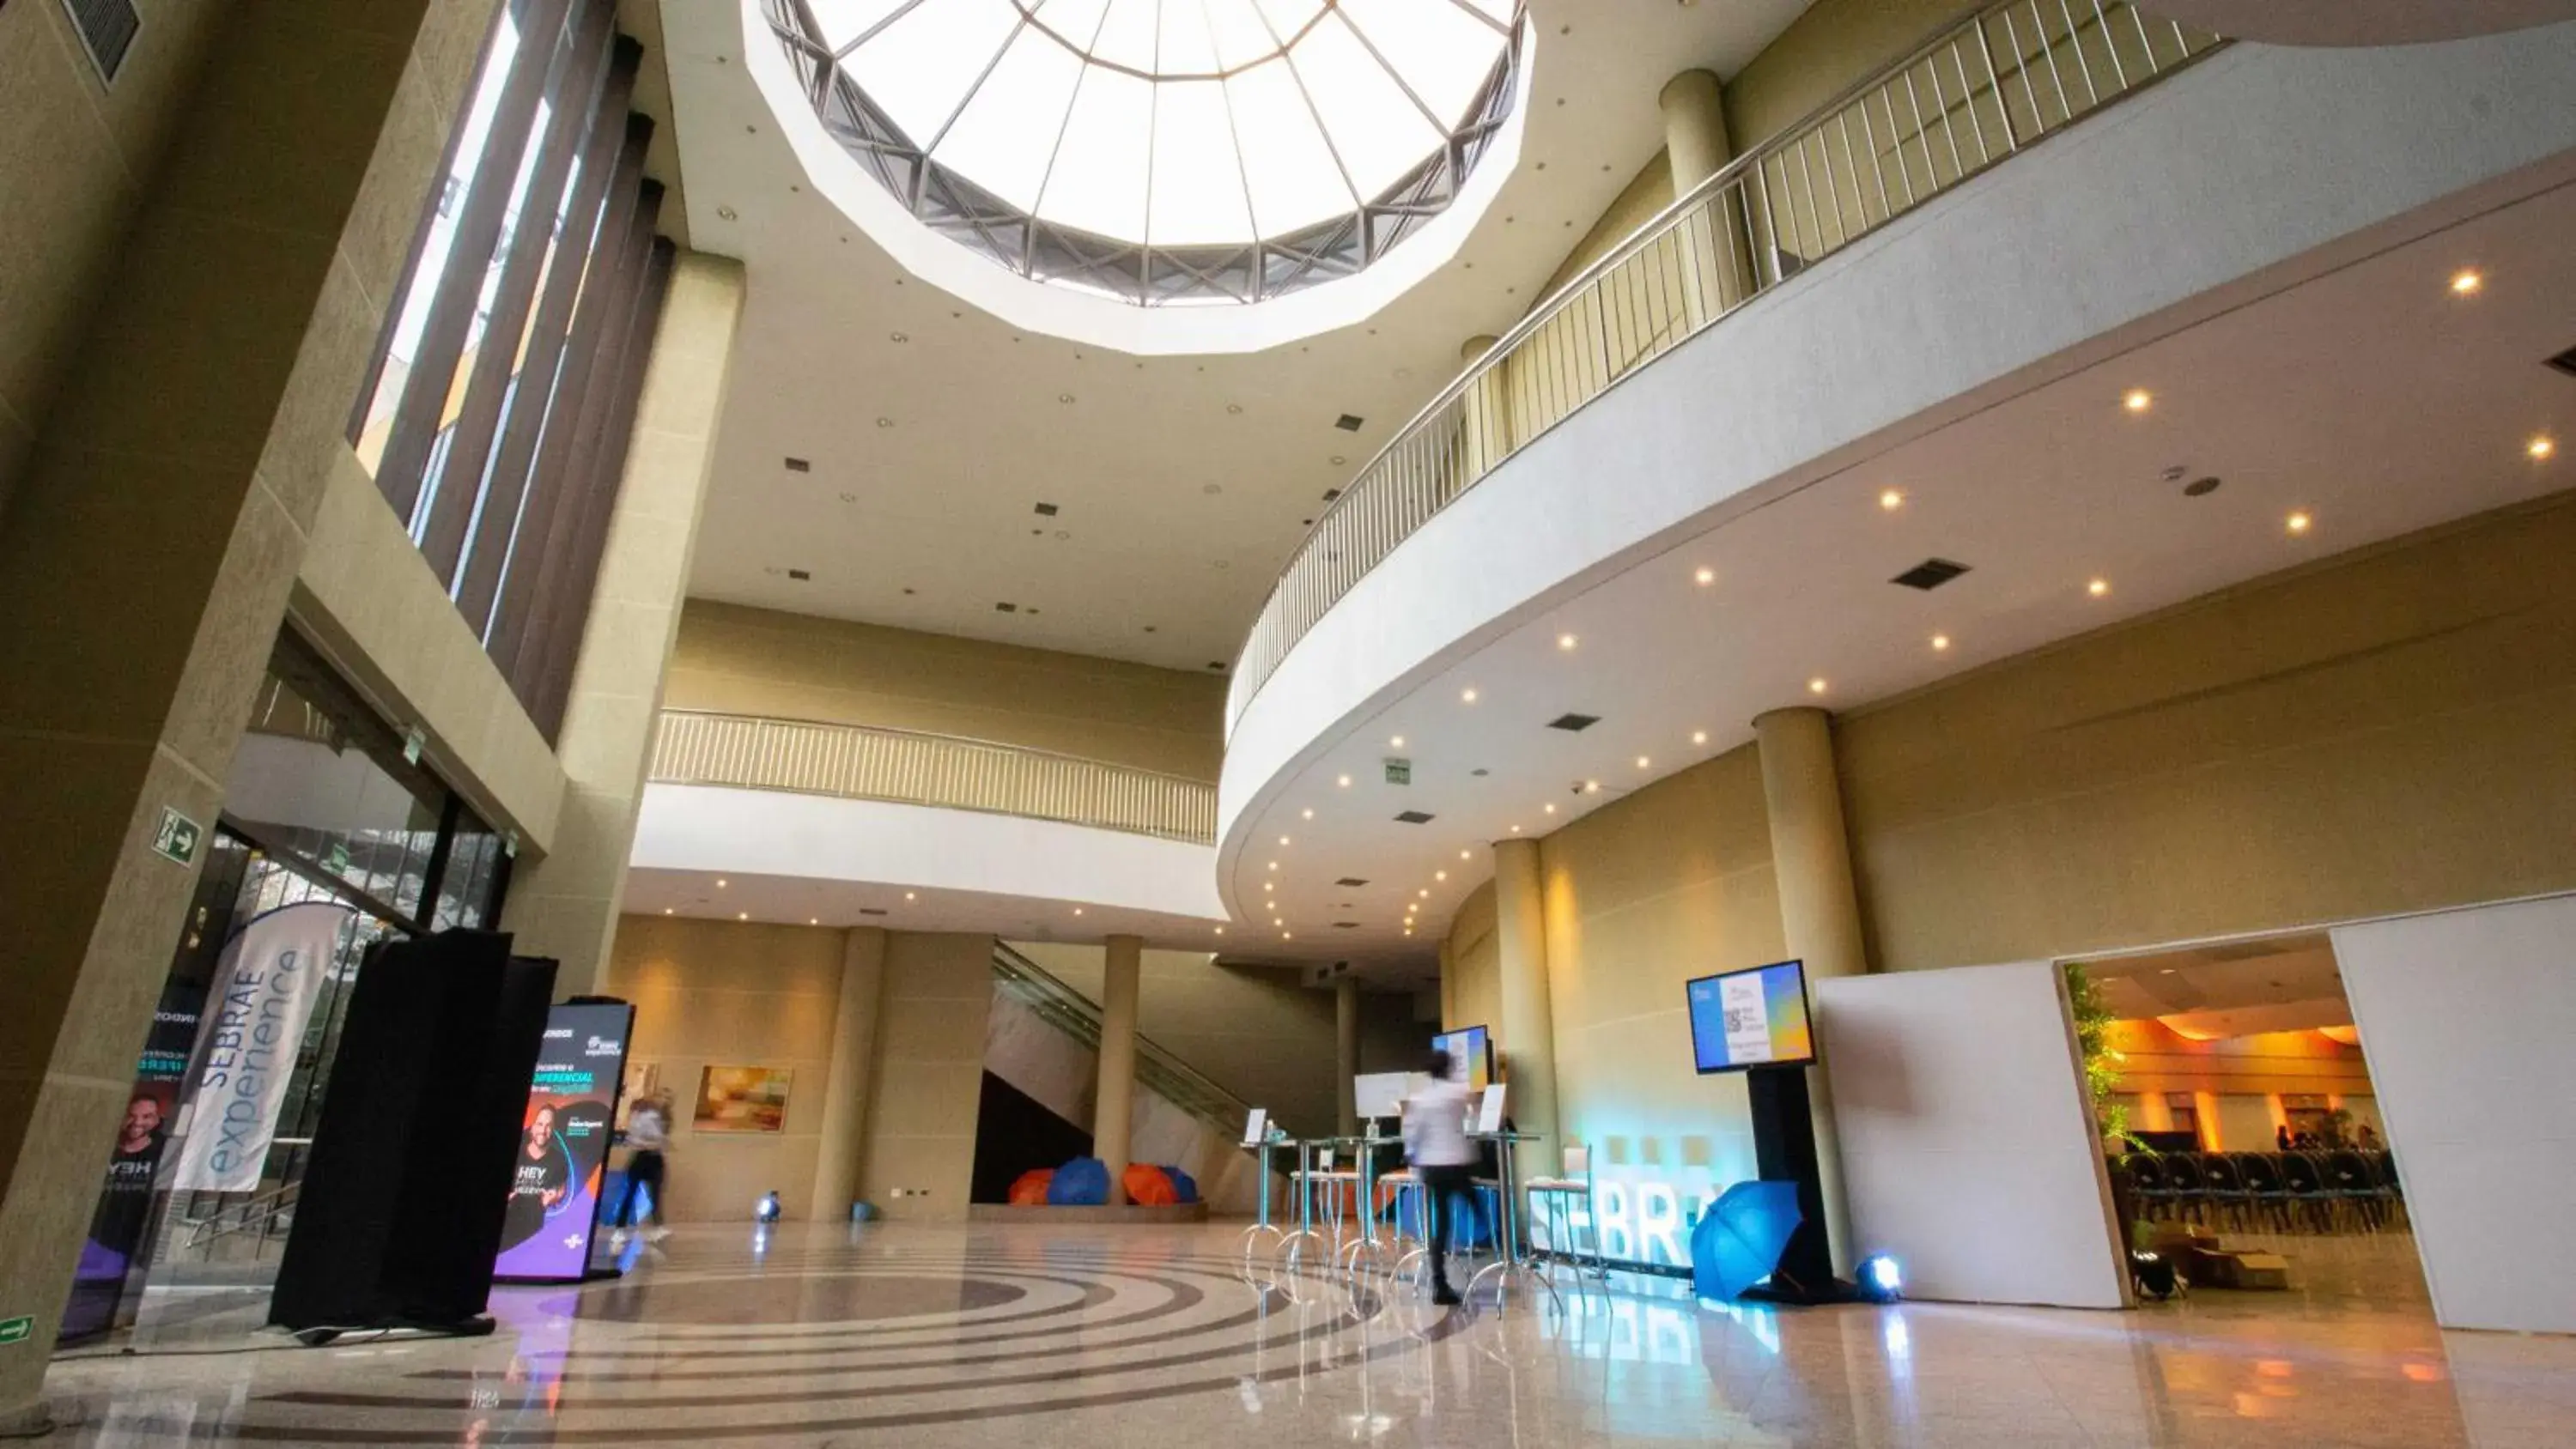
column 2332, row 1190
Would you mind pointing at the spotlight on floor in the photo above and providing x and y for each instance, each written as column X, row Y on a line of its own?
column 1881, row 1279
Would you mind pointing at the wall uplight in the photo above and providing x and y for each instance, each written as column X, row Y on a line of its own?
column 2467, row 282
column 2138, row 400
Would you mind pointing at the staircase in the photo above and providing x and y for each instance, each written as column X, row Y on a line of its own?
column 1045, row 1040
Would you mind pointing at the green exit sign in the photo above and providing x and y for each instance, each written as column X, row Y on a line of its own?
column 18, row 1329
column 177, row 838
column 1399, row 772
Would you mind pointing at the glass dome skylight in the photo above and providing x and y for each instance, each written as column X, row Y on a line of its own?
column 1163, row 151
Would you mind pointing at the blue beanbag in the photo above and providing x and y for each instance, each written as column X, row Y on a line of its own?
column 1184, row 1186
column 1083, row 1182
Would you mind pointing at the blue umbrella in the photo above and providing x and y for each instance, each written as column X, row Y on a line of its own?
column 1740, row 1237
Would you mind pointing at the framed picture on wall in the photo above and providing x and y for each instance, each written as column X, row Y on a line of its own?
column 742, row 1099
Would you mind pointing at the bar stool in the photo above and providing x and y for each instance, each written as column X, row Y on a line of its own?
column 1403, row 1181
column 1562, row 1191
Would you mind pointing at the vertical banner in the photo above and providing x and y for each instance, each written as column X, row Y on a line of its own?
column 263, row 995
column 116, row 1229
column 563, row 1147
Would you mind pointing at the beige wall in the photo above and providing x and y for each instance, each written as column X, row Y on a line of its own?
column 1641, row 896
column 74, row 156
column 928, row 1078
column 756, row 661
column 2155, row 1059
column 1649, row 192
column 1833, row 45
column 1259, row 1034
column 727, row 993
column 2382, row 733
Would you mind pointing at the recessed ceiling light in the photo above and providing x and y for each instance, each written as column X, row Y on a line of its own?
column 1308, row 812
column 2138, row 400
column 897, row 337
column 1344, row 782
column 1565, row 641
column 910, row 896
column 1466, row 855
column 1396, row 742
column 1234, row 407
column 1591, row 787
column 1643, row 762
column 2542, row 448
column 1287, row 935
column 1891, row 500
column 1440, row 875
column 1549, row 808
column 1064, row 397
column 2467, row 282
column 1699, row 737
column 666, row 910
column 1704, row 577
column 1220, row 930
column 814, row 920
column 1425, row 893
column 1816, row 685
column 2098, row 587
column 1283, row 840
column 721, row 883
column 1516, row 830
column 1940, row 643
column 1467, row 696
column 728, row 213
column 1274, row 865
column 1270, row 885
column 885, row 422
column 2299, row 522
column 1077, row 910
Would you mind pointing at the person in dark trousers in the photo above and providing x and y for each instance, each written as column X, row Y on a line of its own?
column 1435, row 1142
column 2281, row 1139
column 648, row 1134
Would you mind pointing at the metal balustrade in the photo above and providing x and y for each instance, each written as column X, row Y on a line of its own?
column 1967, row 99
column 860, row 762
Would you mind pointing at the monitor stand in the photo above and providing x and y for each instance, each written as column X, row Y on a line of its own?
column 1784, row 1150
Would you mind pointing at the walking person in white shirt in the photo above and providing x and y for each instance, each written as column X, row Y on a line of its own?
column 648, row 1133
column 1435, row 1142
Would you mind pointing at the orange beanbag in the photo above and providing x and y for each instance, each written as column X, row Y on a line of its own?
column 1149, row 1186
column 1030, row 1190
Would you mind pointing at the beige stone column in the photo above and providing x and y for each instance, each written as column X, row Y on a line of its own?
column 1819, row 908
column 1114, row 1104
column 154, row 527
column 1346, row 1053
column 566, row 905
column 1448, row 988
column 1715, row 255
column 1485, row 419
column 1526, row 1035
column 845, row 1090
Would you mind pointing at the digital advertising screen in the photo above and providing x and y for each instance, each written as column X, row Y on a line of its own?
column 1472, row 1048
column 563, row 1144
column 1755, row 1018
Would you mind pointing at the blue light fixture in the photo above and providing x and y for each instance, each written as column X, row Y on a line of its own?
column 767, row 1211
column 1881, row 1279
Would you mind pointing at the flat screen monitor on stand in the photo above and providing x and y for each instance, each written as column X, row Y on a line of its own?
column 1472, row 1048
column 1756, row 1022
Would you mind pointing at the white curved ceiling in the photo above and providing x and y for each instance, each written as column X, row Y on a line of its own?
column 2362, row 22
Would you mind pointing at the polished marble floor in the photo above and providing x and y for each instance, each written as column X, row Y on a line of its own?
column 1077, row 1337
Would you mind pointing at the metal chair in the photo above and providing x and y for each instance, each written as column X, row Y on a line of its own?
column 2264, row 1185
column 2189, row 1187
column 2355, row 1188
column 1561, row 1191
column 2231, row 1202
column 2147, row 1180
column 2310, row 1191
column 2383, row 1166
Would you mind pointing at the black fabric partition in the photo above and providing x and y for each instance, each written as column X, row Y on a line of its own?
column 400, row 1213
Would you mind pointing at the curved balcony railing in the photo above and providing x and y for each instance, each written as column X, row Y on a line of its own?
column 860, row 762
column 1968, row 98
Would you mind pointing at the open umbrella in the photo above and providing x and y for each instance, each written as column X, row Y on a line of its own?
column 1740, row 1237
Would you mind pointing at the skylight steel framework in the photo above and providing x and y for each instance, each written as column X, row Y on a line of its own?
column 1141, row 273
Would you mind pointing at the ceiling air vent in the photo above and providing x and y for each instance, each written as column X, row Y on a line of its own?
column 1006, row 608
column 1217, row 664
column 1413, row 817
column 802, row 576
column 1346, row 925
column 1347, row 423
column 1350, row 880
column 1046, row 510
column 1574, row 723
column 870, row 911
column 800, row 465
column 1932, row 573
column 2565, row 362
column 107, row 28
column 1332, row 493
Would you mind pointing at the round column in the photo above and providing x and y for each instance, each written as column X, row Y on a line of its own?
column 1346, row 1053
column 1819, row 908
column 1527, row 1032
column 1114, row 1103
column 1695, row 139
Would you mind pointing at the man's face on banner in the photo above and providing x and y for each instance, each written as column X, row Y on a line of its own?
column 540, row 1128
column 142, row 1119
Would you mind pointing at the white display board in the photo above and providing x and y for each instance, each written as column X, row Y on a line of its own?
column 1968, row 1149
column 1382, row 1094
column 2466, row 1022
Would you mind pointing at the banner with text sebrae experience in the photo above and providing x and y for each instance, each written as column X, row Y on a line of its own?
column 263, row 995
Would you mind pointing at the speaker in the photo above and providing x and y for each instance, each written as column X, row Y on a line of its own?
column 399, row 1216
